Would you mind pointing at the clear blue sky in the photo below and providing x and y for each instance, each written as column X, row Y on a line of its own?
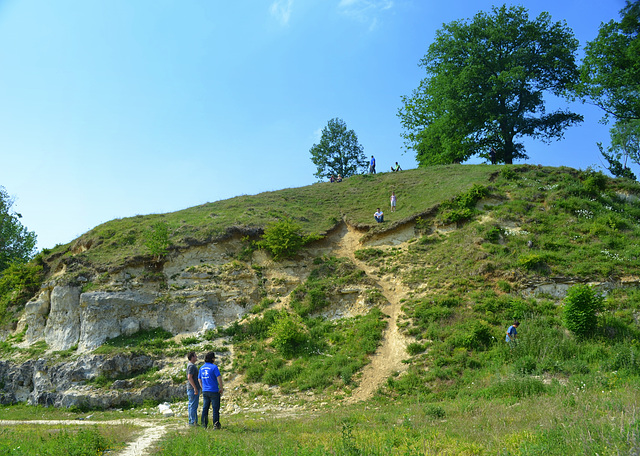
column 113, row 108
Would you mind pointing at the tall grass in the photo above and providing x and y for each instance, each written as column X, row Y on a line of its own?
column 29, row 440
column 571, row 420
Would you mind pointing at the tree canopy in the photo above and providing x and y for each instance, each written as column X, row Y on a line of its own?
column 338, row 152
column 485, row 84
column 610, row 70
column 625, row 146
column 17, row 244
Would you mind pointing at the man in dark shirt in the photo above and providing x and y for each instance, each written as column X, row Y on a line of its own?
column 193, row 390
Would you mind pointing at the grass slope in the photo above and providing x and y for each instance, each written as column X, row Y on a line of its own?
column 317, row 208
column 488, row 234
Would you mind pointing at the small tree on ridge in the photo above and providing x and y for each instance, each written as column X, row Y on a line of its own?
column 338, row 152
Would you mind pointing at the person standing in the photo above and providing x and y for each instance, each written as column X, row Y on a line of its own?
column 393, row 201
column 492, row 156
column 512, row 333
column 211, row 385
column 372, row 165
column 193, row 390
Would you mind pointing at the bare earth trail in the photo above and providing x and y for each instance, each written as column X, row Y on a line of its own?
column 387, row 360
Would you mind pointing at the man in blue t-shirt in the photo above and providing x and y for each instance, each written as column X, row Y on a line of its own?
column 372, row 165
column 211, row 385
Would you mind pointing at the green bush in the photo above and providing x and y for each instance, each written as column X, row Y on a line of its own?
column 157, row 240
column 414, row 348
column 474, row 335
column 435, row 411
column 532, row 262
column 283, row 238
column 581, row 308
column 595, row 182
column 289, row 334
column 18, row 283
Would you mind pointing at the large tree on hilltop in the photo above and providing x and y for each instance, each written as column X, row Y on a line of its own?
column 17, row 244
column 610, row 70
column 338, row 151
column 485, row 84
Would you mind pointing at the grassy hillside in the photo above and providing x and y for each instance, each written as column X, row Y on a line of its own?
column 486, row 237
column 317, row 208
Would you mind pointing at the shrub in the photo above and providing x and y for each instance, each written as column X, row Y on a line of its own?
column 414, row 348
column 475, row 335
column 18, row 283
column 493, row 234
column 582, row 305
column 289, row 334
column 532, row 262
column 595, row 182
column 283, row 238
column 157, row 240
column 434, row 411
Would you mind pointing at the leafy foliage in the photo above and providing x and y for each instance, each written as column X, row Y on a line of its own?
column 16, row 242
column 305, row 353
column 581, row 308
column 157, row 240
column 338, row 152
column 18, row 283
column 484, row 87
column 610, row 75
column 625, row 145
column 462, row 207
column 289, row 334
column 283, row 238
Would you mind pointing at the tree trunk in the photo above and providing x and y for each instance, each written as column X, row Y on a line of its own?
column 507, row 154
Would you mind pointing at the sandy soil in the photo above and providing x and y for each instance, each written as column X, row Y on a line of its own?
column 388, row 359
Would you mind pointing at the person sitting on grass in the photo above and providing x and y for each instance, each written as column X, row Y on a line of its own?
column 396, row 168
column 379, row 216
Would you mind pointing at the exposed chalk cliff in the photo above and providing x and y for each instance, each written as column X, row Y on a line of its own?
column 65, row 384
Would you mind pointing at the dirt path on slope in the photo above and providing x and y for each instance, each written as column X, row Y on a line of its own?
column 388, row 358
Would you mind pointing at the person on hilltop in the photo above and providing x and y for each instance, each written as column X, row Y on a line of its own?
column 393, row 201
column 211, row 385
column 492, row 156
column 193, row 390
column 339, row 178
column 379, row 216
column 372, row 165
column 395, row 168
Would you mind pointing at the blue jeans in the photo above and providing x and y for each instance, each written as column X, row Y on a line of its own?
column 213, row 399
column 193, row 406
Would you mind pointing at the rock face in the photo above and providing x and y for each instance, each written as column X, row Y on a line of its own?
column 65, row 384
column 195, row 291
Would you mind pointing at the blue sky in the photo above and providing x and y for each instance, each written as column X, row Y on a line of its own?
column 114, row 108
